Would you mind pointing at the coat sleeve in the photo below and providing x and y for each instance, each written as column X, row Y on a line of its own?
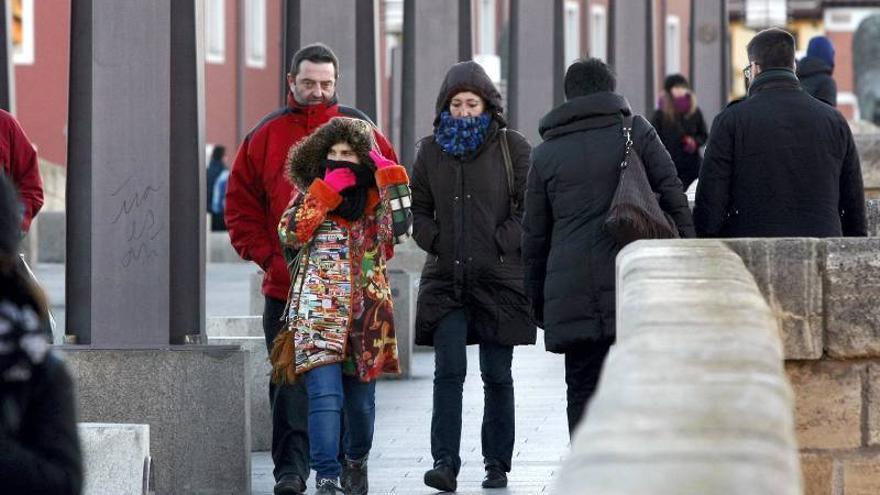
column 537, row 229
column 425, row 228
column 852, row 192
column 385, row 147
column 50, row 462
column 508, row 235
column 394, row 190
column 305, row 214
column 663, row 177
column 701, row 135
column 25, row 171
column 713, row 189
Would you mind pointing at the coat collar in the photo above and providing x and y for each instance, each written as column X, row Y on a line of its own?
column 584, row 112
column 774, row 79
column 311, row 111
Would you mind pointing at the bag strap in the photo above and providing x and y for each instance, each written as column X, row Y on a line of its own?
column 627, row 133
column 508, row 168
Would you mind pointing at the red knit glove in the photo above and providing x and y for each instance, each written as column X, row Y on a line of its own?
column 689, row 145
column 380, row 161
column 340, row 179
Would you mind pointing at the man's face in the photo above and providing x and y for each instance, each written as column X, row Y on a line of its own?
column 314, row 83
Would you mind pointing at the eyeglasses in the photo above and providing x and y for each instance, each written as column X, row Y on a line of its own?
column 747, row 72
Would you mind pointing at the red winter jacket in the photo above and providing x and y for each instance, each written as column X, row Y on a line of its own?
column 258, row 190
column 18, row 160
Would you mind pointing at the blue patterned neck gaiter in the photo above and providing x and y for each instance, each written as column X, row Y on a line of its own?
column 461, row 137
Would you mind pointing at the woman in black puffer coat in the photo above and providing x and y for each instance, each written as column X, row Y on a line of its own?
column 471, row 290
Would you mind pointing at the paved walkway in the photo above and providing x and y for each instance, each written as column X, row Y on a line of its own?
column 401, row 449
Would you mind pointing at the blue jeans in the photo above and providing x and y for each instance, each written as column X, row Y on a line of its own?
column 450, row 369
column 329, row 391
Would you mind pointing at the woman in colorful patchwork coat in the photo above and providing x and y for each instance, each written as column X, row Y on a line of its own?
column 351, row 207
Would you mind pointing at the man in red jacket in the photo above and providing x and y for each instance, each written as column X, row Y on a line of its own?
column 18, row 160
column 257, row 193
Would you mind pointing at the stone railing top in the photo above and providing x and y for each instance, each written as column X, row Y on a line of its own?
column 693, row 397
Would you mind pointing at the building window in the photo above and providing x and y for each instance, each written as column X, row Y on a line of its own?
column 572, row 31
column 487, row 27
column 673, row 44
column 255, row 33
column 599, row 32
column 22, row 31
column 215, row 31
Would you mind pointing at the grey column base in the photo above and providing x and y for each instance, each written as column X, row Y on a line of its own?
column 195, row 399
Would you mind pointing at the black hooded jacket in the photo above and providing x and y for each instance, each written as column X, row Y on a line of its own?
column 569, row 258
column 463, row 218
column 815, row 77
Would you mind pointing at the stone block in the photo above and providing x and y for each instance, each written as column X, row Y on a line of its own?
column 404, row 317
column 873, row 404
column 861, row 475
column 852, row 297
column 220, row 248
column 257, row 300
column 52, row 236
column 872, row 214
column 196, row 400
column 408, row 257
column 234, row 326
column 788, row 272
column 818, row 471
column 258, row 371
column 868, row 145
column 116, row 458
column 828, row 403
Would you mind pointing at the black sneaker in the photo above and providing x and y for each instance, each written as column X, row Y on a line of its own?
column 354, row 476
column 442, row 478
column 290, row 484
column 328, row 486
column 495, row 477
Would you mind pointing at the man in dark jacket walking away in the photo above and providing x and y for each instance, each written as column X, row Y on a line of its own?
column 258, row 193
column 780, row 163
column 568, row 256
column 814, row 70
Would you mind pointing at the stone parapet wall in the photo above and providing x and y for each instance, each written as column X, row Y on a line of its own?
column 825, row 295
column 693, row 397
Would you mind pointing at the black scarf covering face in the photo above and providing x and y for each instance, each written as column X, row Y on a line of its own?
column 354, row 199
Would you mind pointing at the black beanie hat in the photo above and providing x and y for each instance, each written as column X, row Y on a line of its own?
column 10, row 218
column 674, row 80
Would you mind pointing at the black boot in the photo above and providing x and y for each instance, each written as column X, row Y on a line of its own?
column 354, row 476
column 290, row 485
column 442, row 477
column 495, row 477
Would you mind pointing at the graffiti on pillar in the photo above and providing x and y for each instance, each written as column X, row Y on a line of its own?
column 866, row 65
column 135, row 213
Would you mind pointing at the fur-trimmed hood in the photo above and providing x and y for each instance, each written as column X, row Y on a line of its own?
column 305, row 159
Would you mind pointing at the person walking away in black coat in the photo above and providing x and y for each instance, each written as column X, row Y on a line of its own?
column 816, row 69
column 568, row 256
column 780, row 163
column 681, row 127
column 216, row 167
column 471, row 290
column 39, row 446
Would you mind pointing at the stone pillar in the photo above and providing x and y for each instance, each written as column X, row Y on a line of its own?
column 7, row 73
column 436, row 35
column 122, row 244
column 349, row 28
column 710, row 55
column 632, row 52
column 537, row 65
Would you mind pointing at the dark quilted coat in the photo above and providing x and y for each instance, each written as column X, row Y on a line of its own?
column 463, row 219
column 569, row 258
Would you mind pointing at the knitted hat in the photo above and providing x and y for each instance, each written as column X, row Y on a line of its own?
column 821, row 48
column 675, row 80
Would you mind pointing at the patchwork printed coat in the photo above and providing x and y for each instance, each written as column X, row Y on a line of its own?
column 340, row 305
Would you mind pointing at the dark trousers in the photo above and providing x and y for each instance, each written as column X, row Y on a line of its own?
column 583, row 366
column 450, row 369
column 290, row 409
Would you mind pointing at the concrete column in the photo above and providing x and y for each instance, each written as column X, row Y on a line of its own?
column 536, row 63
column 7, row 73
column 187, row 177
column 710, row 55
column 121, row 240
column 436, row 35
column 349, row 28
column 632, row 52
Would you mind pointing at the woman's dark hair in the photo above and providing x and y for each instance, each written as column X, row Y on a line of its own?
column 772, row 48
column 13, row 280
column 675, row 80
column 218, row 153
column 667, row 105
column 317, row 53
column 587, row 76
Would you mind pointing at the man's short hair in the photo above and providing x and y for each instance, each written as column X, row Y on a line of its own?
column 772, row 48
column 317, row 53
column 588, row 76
